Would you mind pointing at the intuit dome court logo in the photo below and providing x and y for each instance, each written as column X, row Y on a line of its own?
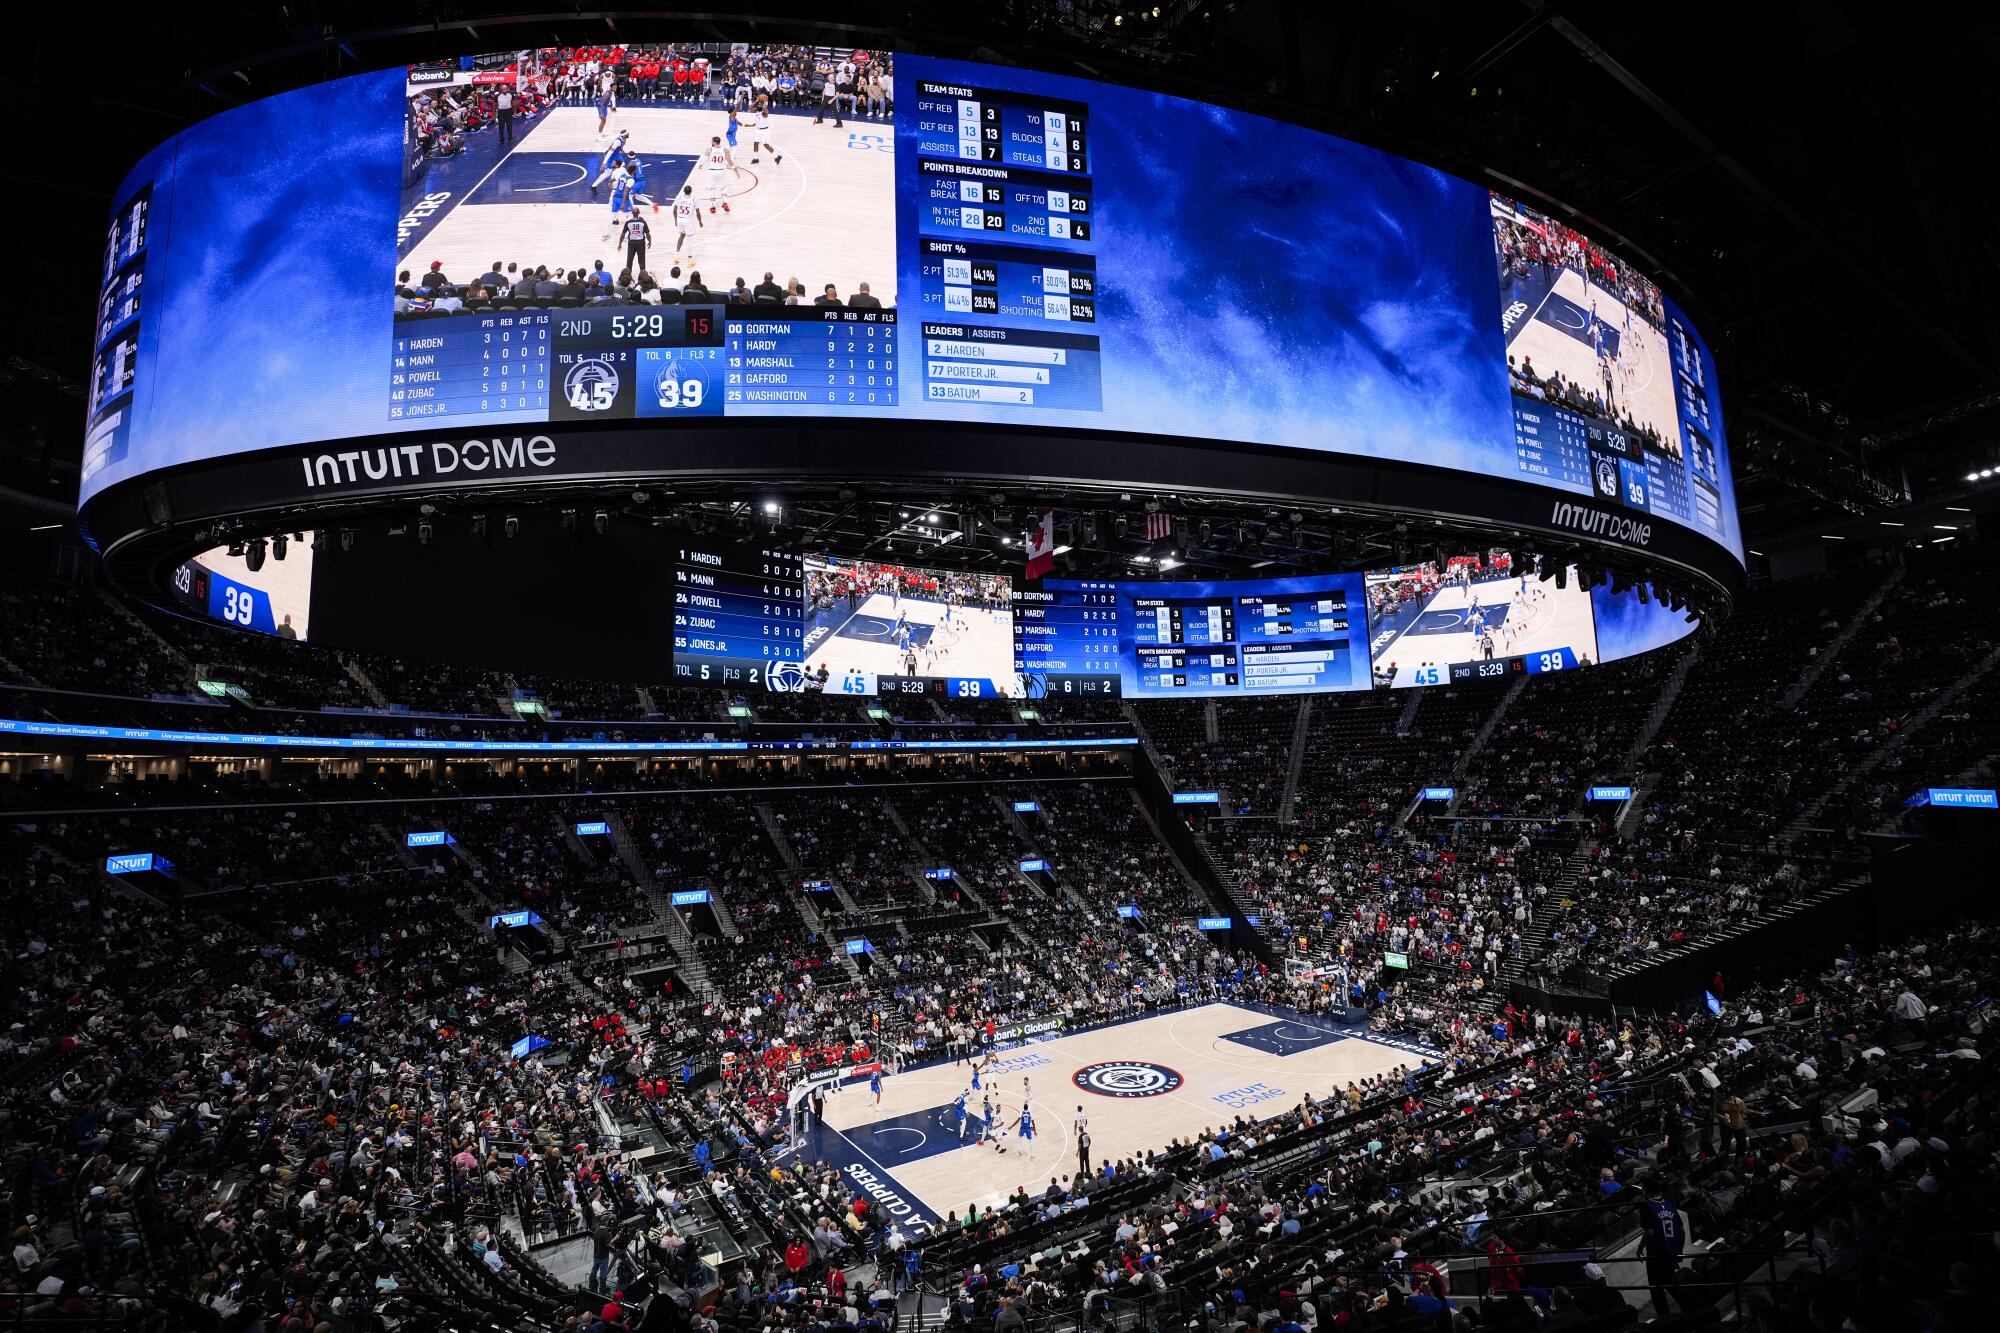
column 1127, row 1078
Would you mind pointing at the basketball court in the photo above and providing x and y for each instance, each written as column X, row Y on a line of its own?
column 1550, row 328
column 825, row 214
column 1523, row 618
column 1142, row 1084
column 864, row 641
column 287, row 582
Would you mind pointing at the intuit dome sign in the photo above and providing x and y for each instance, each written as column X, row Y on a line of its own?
column 444, row 460
column 1599, row 523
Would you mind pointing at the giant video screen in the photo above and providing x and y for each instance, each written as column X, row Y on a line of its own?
column 690, row 229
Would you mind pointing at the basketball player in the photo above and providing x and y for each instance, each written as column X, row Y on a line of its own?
column 621, row 202
column 760, row 131
column 1027, row 1125
column 989, row 1131
column 615, row 159
column 639, row 195
column 603, row 111
column 719, row 164
column 959, row 1106
column 1082, row 1120
column 729, row 132
column 875, row 1087
column 609, row 82
column 687, row 218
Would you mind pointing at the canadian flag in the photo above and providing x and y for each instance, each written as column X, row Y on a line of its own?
column 1042, row 545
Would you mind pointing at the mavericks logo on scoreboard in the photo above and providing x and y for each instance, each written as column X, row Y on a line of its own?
column 591, row 385
column 1127, row 1078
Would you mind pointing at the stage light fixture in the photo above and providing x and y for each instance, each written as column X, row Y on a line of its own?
column 600, row 522
column 510, row 526
column 347, row 539
column 424, row 531
column 279, row 545
column 253, row 555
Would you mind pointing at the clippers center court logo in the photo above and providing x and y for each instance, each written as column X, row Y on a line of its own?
column 591, row 385
column 1127, row 1078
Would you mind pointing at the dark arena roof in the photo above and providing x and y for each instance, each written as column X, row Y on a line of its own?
column 1299, row 666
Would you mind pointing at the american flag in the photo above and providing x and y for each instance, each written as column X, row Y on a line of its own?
column 1158, row 526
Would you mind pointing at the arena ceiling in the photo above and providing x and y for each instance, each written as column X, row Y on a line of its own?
column 1805, row 174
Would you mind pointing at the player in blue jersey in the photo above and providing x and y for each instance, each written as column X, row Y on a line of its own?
column 730, row 131
column 618, row 156
column 1665, row 1232
column 875, row 1085
column 959, row 1108
column 1027, row 1126
column 603, row 109
column 621, row 202
column 639, row 194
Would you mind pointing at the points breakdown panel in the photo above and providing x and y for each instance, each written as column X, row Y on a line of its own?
column 1005, row 249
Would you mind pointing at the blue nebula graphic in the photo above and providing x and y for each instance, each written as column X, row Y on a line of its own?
column 1626, row 626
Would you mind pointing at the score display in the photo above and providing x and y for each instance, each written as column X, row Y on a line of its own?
column 739, row 615
column 995, row 247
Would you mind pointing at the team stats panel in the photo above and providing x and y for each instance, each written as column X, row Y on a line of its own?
column 1162, row 640
column 1004, row 239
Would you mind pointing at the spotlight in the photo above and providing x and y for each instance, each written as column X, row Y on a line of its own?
column 1118, row 526
column 253, row 556
column 347, row 539
column 279, row 545
column 1562, row 576
column 510, row 526
column 479, row 526
column 319, row 540
column 1644, row 590
column 567, row 522
column 236, row 549
column 771, row 508
column 424, row 532
column 600, row 522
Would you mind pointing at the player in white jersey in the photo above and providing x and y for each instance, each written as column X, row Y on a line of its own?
column 760, row 131
column 615, row 159
column 719, row 165
column 610, row 85
column 687, row 219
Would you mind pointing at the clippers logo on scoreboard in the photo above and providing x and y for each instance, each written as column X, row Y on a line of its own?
column 591, row 385
column 1127, row 1078
column 1606, row 471
column 785, row 677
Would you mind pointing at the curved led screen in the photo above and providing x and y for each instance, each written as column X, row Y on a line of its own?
column 694, row 231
